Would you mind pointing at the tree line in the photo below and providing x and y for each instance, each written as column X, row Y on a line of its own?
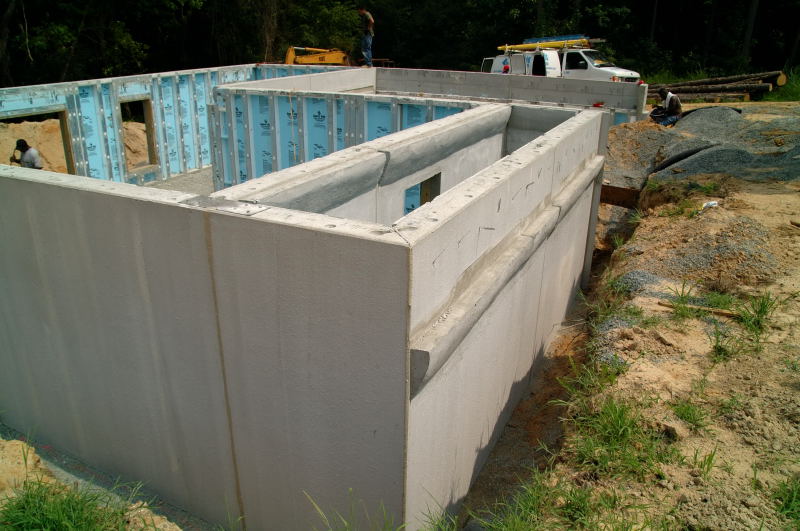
column 45, row 41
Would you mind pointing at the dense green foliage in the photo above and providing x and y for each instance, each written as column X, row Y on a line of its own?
column 56, row 40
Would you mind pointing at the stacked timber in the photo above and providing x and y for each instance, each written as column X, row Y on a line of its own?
column 729, row 88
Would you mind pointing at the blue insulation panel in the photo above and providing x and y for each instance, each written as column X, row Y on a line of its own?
column 225, row 141
column 113, row 144
column 412, row 198
column 131, row 89
column 340, row 124
column 201, row 103
column 413, row 115
column 443, row 112
column 317, row 123
column 289, row 134
column 241, row 145
column 91, row 129
column 262, row 131
column 379, row 119
column 17, row 101
column 170, row 126
column 187, row 113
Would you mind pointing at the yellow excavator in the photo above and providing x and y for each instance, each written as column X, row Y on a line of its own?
column 298, row 55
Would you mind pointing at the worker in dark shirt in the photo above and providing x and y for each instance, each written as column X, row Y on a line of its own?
column 368, row 32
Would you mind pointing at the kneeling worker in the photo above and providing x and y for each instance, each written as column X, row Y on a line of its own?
column 671, row 110
column 30, row 157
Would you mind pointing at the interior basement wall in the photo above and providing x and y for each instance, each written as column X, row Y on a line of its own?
column 368, row 182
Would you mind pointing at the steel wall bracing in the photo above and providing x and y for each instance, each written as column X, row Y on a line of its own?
column 265, row 131
column 180, row 105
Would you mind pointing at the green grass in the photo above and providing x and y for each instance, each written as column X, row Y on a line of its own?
column 359, row 517
column 730, row 405
column 683, row 207
column 545, row 504
column 723, row 345
column 787, row 497
column 704, row 464
column 653, row 186
column 754, row 314
column 617, row 241
column 635, row 218
column 790, row 91
column 715, row 299
column 690, row 413
column 44, row 505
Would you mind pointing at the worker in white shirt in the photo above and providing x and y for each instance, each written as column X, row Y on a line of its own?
column 29, row 156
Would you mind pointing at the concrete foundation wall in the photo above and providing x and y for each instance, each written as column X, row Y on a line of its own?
column 473, row 392
column 626, row 99
column 451, row 233
column 172, row 343
column 252, row 338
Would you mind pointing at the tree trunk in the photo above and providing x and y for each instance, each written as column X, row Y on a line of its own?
column 653, row 22
column 793, row 54
column 270, row 28
column 710, row 27
column 6, row 79
column 748, row 34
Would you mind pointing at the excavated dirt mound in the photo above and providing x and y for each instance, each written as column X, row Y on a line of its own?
column 45, row 136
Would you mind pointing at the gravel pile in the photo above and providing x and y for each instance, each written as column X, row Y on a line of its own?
column 726, row 159
column 740, row 251
column 760, row 148
column 638, row 280
column 712, row 123
column 674, row 149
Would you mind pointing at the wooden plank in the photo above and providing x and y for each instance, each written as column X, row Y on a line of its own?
column 619, row 196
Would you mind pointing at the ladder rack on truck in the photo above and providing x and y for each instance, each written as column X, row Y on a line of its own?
column 560, row 41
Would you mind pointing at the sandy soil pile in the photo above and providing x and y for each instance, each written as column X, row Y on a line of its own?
column 45, row 136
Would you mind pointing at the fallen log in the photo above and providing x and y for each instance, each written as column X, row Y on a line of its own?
column 716, row 97
column 730, row 87
column 777, row 78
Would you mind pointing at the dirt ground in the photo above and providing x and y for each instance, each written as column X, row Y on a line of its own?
column 45, row 136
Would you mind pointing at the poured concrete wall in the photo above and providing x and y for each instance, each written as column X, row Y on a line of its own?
column 624, row 99
column 288, row 353
column 171, row 344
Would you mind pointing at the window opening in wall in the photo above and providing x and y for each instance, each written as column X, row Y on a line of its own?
column 137, row 134
column 422, row 193
column 47, row 133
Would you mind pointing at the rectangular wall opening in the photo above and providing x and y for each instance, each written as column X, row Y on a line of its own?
column 422, row 193
column 46, row 132
column 137, row 134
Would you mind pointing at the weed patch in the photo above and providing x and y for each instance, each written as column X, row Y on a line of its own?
column 723, row 346
column 38, row 504
column 787, row 496
column 689, row 412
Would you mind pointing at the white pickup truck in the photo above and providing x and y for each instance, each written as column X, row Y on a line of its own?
column 576, row 63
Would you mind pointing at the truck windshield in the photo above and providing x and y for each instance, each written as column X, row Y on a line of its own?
column 597, row 59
